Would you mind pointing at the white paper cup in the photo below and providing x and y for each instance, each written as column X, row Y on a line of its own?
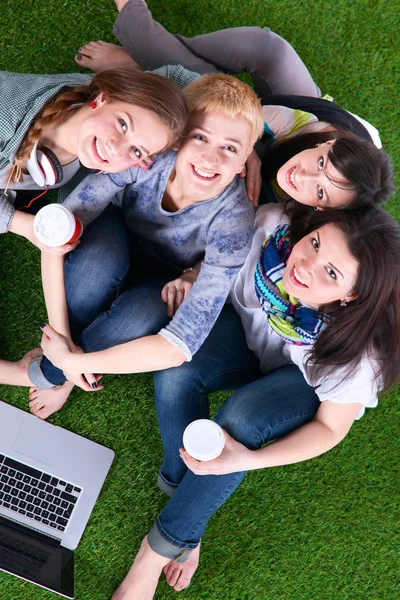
column 203, row 439
column 55, row 225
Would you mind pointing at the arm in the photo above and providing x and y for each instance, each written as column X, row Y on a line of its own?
column 95, row 192
column 329, row 426
column 54, row 292
column 228, row 241
column 178, row 74
column 150, row 353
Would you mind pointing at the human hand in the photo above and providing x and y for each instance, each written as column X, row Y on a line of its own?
column 58, row 250
column 144, row 163
column 174, row 292
column 252, row 172
column 86, row 381
column 234, row 457
column 55, row 346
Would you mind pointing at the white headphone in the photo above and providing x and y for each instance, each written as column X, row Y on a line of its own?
column 44, row 167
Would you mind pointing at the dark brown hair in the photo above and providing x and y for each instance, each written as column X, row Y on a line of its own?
column 125, row 84
column 367, row 169
column 371, row 322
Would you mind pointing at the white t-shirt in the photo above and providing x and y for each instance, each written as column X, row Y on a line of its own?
column 271, row 350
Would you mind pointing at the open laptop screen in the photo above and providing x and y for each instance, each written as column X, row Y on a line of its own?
column 50, row 566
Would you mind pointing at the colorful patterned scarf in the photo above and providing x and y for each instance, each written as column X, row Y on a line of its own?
column 299, row 324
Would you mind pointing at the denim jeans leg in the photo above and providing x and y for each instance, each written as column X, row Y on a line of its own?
column 139, row 311
column 94, row 274
column 181, row 394
column 263, row 410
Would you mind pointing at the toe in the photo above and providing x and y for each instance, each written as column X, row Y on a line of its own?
column 173, row 575
column 35, row 404
column 43, row 413
column 83, row 61
column 183, row 582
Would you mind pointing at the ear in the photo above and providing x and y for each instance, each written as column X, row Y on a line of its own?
column 102, row 98
column 330, row 142
column 350, row 297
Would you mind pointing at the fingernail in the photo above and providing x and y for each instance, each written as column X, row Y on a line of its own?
column 136, row 166
column 42, row 325
column 150, row 162
column 78, row 56
column 94, row 385
column 144, row 168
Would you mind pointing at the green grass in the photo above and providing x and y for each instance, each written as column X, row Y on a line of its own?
column 324, row 529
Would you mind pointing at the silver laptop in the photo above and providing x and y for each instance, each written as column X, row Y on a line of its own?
column 50, row 479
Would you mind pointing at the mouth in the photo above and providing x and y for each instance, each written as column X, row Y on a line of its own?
column 291, row 178
column 98, row 151
column 204, row 175
column 296, row 279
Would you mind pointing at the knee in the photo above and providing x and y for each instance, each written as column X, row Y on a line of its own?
column 177, row 389
column 267, row 50
column 238, row 423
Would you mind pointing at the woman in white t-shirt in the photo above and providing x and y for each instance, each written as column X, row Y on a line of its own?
column 309, row 342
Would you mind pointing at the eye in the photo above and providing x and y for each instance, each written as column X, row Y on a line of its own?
column 230, row 148
column 200, row 137
column 136, row 152
column 320, row 192
column 331, row 273
column 123, row 124
column 314, row 243
column 320, row 163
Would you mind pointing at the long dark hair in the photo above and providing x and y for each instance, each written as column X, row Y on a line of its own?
column 371, row 322
column 367, row 169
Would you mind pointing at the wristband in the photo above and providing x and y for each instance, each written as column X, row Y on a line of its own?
column 191, row 270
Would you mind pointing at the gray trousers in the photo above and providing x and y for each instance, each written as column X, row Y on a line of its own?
column 274, row 66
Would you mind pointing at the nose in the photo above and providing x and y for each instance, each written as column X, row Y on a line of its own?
column 210, row 156
column 308, row 176
column 304, row 266
column 118, row 148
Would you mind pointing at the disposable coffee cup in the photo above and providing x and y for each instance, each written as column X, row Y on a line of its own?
column 55, row 225
column 203, row 439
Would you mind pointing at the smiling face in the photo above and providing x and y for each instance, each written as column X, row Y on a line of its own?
column 116, row 135
column 321, row 269
column 214, row 151
column 310, row 178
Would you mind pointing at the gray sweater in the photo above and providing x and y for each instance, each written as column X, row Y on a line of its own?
column 220, row 229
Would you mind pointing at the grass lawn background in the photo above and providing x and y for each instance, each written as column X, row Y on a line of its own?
column 323, row 529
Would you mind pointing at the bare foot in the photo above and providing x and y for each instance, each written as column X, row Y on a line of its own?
column 179, row 575
column 16, row 373
column 121, row 3
column 141, row 581
column 44, row 403
column 102, row 55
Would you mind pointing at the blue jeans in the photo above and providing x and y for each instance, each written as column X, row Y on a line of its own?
column 111, row 299
column 261, row 409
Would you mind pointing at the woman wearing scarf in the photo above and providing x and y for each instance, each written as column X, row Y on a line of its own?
column 310, row 341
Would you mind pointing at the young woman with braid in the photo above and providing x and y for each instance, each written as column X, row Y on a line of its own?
column 115, row 120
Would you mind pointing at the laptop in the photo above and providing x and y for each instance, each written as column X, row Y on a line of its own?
column 50, row 479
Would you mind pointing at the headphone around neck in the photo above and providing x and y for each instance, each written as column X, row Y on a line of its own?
column 44, row 167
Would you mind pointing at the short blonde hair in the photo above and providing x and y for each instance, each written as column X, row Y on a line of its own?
column 226, row 94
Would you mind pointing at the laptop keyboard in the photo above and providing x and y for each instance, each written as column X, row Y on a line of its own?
column 36, row 495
